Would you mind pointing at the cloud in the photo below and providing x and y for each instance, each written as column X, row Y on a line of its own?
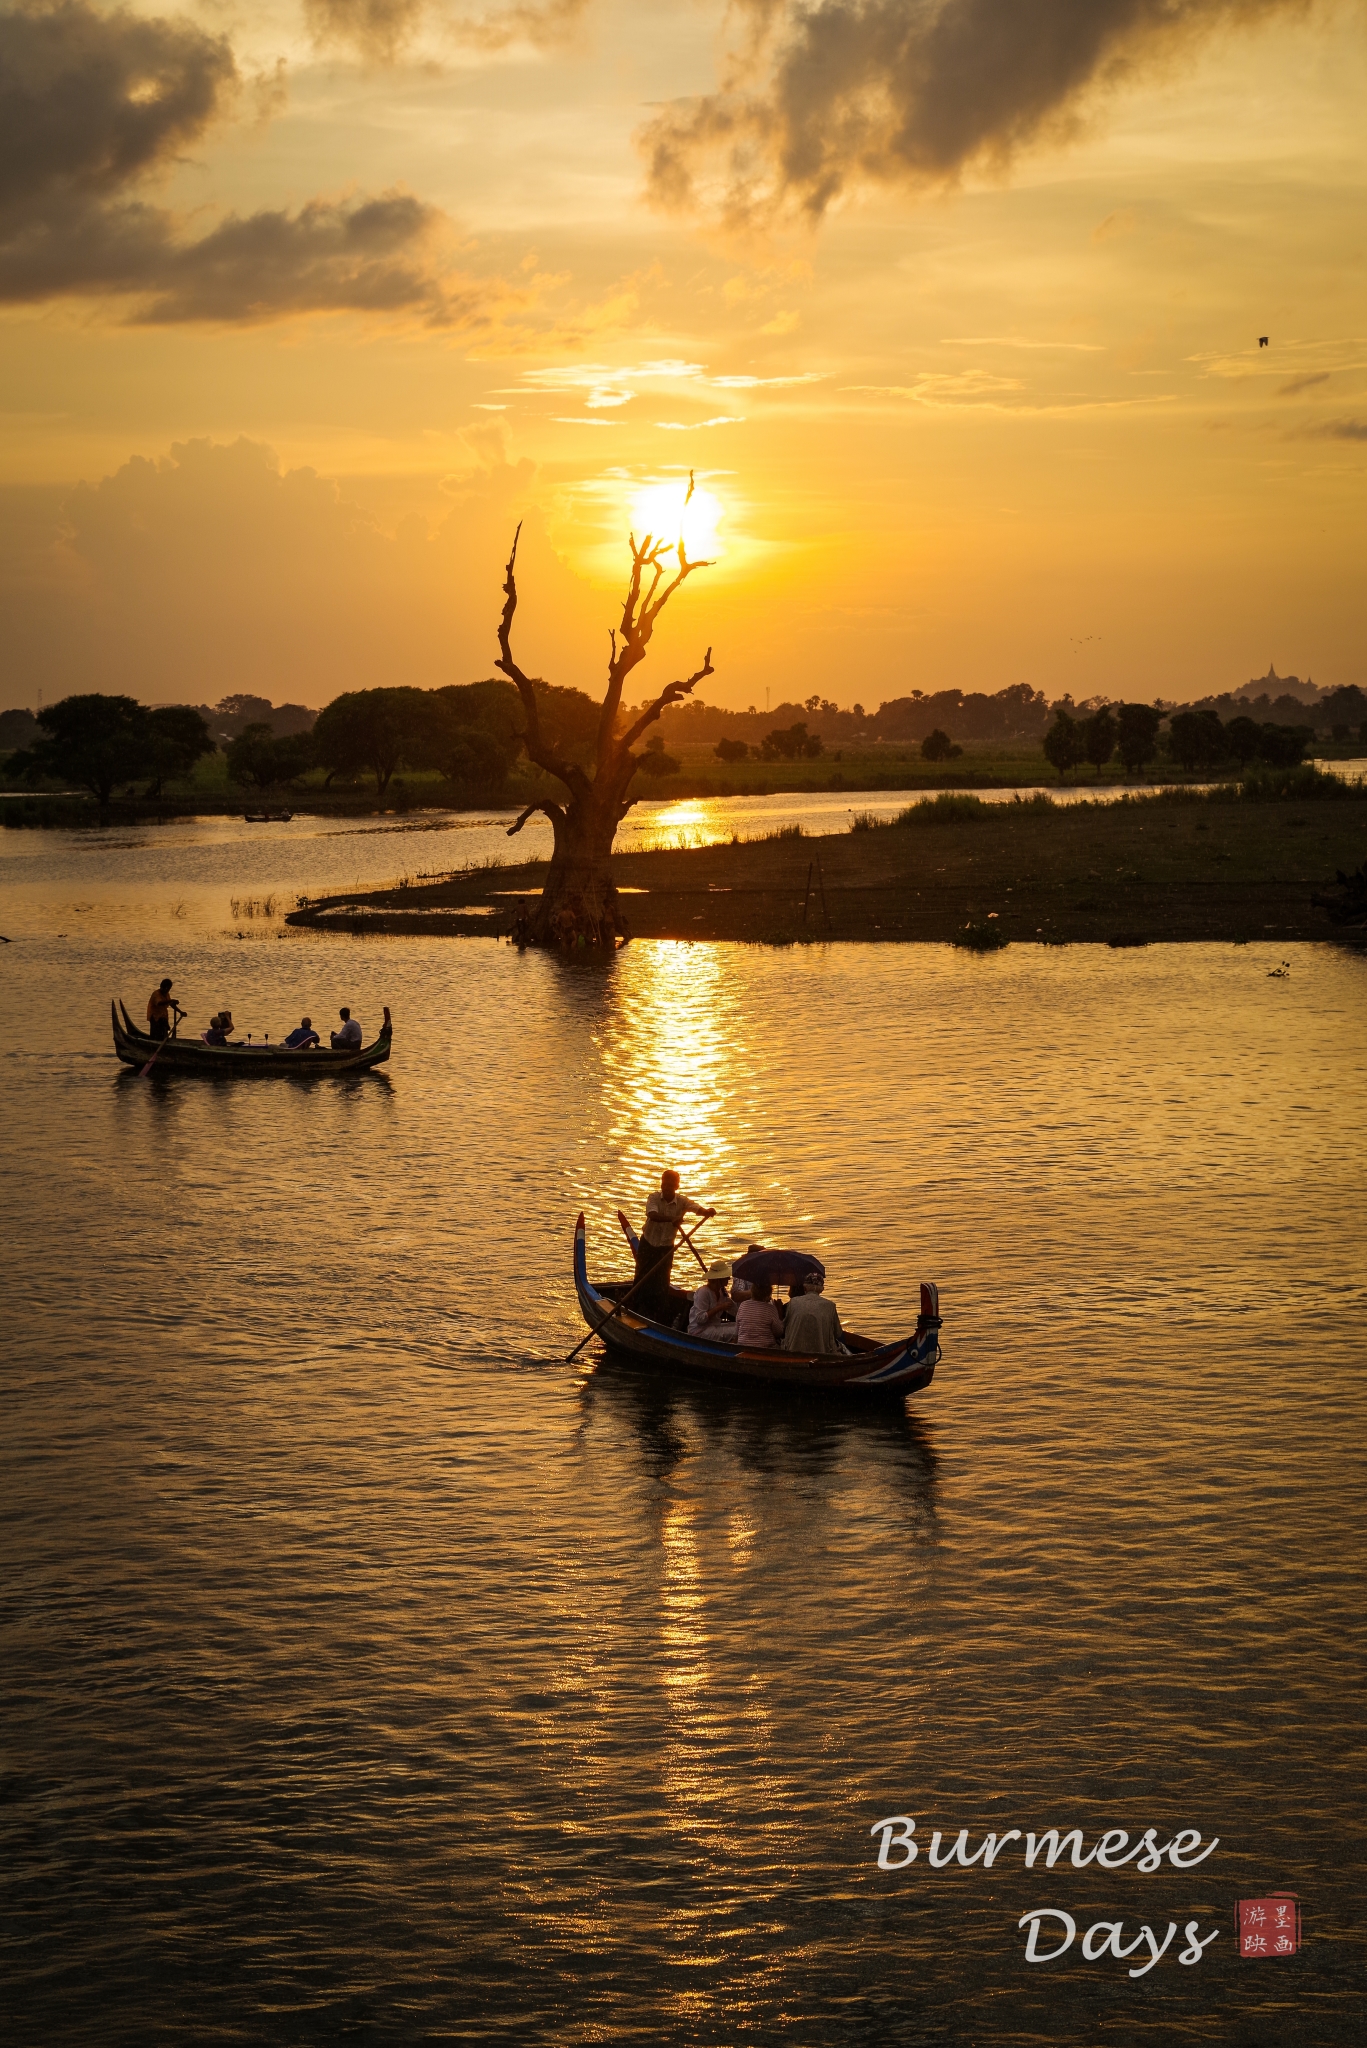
column 89, row 101
column 765, row 383
column 182, row 575
column 94, row 105
column 824, row 97
column 1339, row 430
column 1299, row 384
column 687, row 426
column 381, row 30
column 963, row 387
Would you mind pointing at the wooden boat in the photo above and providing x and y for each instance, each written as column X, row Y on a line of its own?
column 267, row 817
column 192, row 1056
column 901, row 1367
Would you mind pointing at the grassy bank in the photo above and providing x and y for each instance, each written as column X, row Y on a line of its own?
column 1233, row 865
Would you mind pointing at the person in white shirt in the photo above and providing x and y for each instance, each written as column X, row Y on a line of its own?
column 350, row 1034
column 713, row 1312
column 812, row 1323
column 655, row 1250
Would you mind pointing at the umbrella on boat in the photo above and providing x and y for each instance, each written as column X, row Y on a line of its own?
column 780, row 1267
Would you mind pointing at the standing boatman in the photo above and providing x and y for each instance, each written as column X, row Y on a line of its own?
column 159, row 1008
column 655, row 1251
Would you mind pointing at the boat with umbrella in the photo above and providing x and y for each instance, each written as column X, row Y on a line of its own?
column 192, row 1056
column 902, row 1366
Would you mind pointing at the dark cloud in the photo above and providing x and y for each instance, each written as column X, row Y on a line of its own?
column 1339, row 430
column 90, row 101
column 379, row 30
column 1296, row 385
column 844, row 92
column 93, row 105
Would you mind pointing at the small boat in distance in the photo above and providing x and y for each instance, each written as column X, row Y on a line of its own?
column 266, row 817
column 193, row 1056
column 901, row 1367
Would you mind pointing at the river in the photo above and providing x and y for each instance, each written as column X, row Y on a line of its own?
column 371, row 1673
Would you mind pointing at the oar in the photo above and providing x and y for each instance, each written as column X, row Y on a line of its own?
column 692, row 1247
column 143, row 1072
column 615, row 1310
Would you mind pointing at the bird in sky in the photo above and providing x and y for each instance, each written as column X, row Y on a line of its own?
column 1262, row 341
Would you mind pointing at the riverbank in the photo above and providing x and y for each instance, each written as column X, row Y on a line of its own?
column 1149, row 870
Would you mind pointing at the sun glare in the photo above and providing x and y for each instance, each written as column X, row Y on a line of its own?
column 660, row 510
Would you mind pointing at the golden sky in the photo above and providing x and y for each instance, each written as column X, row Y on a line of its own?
column 953, row 305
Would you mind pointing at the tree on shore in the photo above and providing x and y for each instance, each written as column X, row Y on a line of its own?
column 1098, row 737
column 263, row 758
column 1063, row 743
column 374, row 729
column 579, row 899
column 177, row 737
column 1196, row 740
column 95, row 741
column 1136, row 735
column 938, row 746
column 791, row 743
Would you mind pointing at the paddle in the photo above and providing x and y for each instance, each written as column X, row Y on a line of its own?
column 143, row 1072
column 615, row 1310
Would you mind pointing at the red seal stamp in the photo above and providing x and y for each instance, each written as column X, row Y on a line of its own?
column 1271, row 1926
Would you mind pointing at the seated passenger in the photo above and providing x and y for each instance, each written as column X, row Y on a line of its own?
column 348, row 1039
column 759, row 1321
column 219, row 1027
column 712, row 1313
column 812, row 1323
column 304, row 1035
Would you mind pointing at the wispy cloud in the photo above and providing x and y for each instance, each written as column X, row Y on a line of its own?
column 766, row 383
column 1338, row 430
column 380, row 31
column 1299, row 384
column 687, row 426
column 1090, row 348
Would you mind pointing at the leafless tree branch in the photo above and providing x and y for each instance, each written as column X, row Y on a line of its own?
column 553, row 811
column 539, row 749
column 671, row 694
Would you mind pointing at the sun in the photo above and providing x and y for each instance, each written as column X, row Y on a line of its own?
column 660, row 509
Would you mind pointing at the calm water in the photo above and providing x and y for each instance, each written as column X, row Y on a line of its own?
column 371, row 1674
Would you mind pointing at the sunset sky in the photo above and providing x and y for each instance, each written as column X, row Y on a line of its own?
column 953, row 306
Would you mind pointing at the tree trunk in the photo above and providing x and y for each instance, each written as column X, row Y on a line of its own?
column 579, row 904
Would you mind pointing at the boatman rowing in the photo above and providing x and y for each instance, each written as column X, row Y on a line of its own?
column 655, row 1250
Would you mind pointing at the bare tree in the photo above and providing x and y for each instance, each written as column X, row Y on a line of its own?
column 579, row 896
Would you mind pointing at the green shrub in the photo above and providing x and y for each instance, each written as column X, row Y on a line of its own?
column 946, row 809
column 1293, row 785
column 980, row 938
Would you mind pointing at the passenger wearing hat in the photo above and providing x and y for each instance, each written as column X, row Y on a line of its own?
column 713, row 1312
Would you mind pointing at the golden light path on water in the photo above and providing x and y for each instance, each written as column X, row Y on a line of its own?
column 373, row 1669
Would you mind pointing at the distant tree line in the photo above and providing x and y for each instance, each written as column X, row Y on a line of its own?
column 1016, row 713
column 1196, row 740
column 469, row 733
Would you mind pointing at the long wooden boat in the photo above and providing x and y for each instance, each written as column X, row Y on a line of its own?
column 191, row 1056
column 870, row 1368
